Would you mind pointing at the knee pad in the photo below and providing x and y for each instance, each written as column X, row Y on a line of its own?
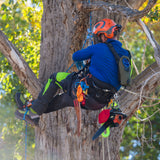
column 58, row 77
column 61, row 76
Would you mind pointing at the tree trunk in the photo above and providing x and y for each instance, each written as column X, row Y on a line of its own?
column 63, row 31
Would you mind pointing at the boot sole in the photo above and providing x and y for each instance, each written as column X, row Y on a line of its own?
column 33, row 122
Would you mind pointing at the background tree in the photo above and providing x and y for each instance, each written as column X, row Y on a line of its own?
column 20, row 21
column 141, row 138
column 64, row 27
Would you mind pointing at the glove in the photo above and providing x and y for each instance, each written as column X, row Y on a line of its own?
column 79, row 64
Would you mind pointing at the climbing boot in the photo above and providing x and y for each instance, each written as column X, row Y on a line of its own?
column 28, row 112
column 28, row 115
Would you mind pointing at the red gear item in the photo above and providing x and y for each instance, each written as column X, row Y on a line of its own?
column 118, row 119
column 104, row 115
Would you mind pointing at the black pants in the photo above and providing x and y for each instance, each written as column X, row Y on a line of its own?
column 50, row 101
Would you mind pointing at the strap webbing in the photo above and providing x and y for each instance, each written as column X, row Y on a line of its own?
column 110, row 46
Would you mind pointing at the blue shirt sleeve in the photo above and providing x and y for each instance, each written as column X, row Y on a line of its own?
column 83, row 54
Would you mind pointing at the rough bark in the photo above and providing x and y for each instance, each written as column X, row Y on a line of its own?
column 63, row 31
column 57, row 136
column 128, row 13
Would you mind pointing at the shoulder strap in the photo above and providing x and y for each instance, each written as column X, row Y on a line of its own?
column 110, row 46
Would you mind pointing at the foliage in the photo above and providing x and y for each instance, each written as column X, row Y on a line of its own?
column 153, row 15
column 12, row 138
column 139, row 47
column 21, row 22
column 142, row 137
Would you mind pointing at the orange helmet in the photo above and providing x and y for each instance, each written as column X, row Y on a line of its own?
column 106, row 26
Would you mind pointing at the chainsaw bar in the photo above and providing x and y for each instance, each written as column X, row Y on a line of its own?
column 101, row 130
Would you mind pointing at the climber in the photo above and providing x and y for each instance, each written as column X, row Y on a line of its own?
column 101, row 77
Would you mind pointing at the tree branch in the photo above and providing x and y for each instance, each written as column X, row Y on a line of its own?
column 149, row 35
column 23, row 71
column 127, row 12
column 151, row 39
column 143, row 85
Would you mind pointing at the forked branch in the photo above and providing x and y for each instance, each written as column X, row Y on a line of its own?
column 130, row 14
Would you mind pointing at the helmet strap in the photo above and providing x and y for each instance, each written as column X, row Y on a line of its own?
column 115, row 33
column 99, row 38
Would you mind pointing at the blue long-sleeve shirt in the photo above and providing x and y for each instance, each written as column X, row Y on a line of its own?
column 103, row 65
